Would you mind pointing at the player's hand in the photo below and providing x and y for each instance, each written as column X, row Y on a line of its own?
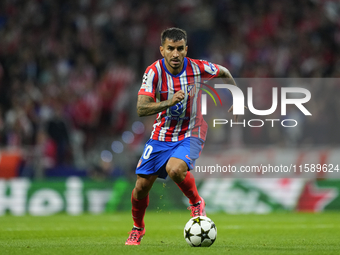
column 178, row 97
column 235, row 116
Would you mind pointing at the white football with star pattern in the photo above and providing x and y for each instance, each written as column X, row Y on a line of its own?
column 200, row 231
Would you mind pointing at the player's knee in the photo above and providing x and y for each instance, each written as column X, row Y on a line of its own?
column 141, row 189
column 175, row 173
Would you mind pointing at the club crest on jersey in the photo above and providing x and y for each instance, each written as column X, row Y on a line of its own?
column 139, row 163
column 191, row 90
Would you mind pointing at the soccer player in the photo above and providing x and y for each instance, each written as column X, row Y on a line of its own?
column 179, row 130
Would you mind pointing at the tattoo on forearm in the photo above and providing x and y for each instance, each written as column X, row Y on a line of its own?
column 146, row 106
column 224, row 73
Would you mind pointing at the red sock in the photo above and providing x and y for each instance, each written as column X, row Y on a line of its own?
column 188, row 187
column 138, row 210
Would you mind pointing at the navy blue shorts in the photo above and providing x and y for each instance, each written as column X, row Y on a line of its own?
column 156, row 154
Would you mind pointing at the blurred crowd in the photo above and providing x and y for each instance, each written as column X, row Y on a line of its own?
column 70, row 70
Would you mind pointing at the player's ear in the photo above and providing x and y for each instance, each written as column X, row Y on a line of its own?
column 186, row 50
column 161, row 49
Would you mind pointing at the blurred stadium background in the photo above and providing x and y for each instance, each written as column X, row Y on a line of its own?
column 69, row 76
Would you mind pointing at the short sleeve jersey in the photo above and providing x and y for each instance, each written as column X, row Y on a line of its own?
column 185, row 118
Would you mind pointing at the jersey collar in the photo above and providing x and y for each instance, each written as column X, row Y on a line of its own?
column 180, row 73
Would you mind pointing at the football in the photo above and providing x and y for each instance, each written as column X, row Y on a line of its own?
column 200, row 231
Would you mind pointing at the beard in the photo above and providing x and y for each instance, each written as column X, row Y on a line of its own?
column 175, row 66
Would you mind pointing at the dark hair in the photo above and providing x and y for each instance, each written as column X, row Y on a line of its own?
column 173, row 33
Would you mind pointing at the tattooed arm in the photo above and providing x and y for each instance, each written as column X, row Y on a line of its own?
column 228, row 79
column 224, row 73
column 146, row 105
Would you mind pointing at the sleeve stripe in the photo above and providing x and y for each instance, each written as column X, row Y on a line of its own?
column 149, row 82
column 147, row 94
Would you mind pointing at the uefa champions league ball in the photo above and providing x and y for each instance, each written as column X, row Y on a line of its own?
column 200, row 231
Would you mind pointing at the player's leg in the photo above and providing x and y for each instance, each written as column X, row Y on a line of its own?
column 140, row 201
column 150, row 166
column 140, row 198
column 177, row 170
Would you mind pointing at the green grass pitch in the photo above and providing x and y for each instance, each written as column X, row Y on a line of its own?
column 278, row 233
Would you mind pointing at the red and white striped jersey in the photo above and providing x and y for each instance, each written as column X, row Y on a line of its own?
column 185, row 118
